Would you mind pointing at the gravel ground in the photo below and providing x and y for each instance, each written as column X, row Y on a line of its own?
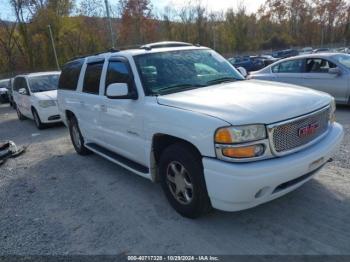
column 53, row 201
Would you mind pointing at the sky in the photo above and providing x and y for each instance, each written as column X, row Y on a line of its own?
column 212, row 5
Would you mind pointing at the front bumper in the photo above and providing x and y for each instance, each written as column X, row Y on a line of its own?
column 49, row 115
column 238, row 186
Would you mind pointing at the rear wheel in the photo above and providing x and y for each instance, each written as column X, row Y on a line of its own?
column 76, row 137
column 37, row 120
column 182, row 180
column 19, row 114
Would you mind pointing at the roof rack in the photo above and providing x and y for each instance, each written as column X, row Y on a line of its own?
column 111, row 50
column 164, row 44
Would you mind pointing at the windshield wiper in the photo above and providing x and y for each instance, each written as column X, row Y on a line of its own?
column 179, row 87
column 221, row 80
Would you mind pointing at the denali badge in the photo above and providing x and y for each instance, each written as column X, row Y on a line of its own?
column 308, row 130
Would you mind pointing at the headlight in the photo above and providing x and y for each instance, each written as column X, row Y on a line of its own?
column 332, row 112
column 47, row 103
column 240, row 134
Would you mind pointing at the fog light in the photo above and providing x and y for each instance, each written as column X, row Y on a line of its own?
column 244, row 152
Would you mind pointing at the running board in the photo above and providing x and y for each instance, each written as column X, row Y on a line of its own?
column 120, row 160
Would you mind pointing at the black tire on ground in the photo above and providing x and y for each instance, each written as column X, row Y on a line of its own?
column 19, row 115
column 76, row 137
column 182, row 180
column 37, row 120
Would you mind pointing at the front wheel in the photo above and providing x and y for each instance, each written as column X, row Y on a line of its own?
column 19, row 114
column 76, row 137
column 182, row 180
column 37, row 120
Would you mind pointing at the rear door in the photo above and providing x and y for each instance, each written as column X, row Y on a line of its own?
column 88, row 99
column 316, row 76
column 290, row 71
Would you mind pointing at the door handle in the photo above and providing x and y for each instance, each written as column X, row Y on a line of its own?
column 82, row 103
column 103, row 108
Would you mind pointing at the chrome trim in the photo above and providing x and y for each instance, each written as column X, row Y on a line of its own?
column 271, row 128
column 266, row 155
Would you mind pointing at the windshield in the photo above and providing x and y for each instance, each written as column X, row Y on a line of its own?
column 176, row 71
column 344, row 60
column 43, row 83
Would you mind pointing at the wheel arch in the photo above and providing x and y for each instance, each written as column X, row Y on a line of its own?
column 160, row 142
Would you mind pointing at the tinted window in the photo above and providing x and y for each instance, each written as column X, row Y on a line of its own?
column 291, row 66
column 92, row 78
column 19, row 83
column 318, row 65
column 117, row 72
column 43, row 83
column 70, row 75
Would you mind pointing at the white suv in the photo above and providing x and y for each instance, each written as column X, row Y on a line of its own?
column 35, row 97
column 182, row 115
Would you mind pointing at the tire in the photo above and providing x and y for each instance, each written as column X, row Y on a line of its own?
column 76, row 137
column 182, row 180
column 19, row 115
column 37, row 120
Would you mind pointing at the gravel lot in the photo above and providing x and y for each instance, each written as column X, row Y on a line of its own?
column 53, row 201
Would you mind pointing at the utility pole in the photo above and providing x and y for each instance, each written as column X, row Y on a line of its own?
column 54, row 48
column 110, row 24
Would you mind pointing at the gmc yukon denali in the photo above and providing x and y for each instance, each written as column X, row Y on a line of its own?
column 184, row 116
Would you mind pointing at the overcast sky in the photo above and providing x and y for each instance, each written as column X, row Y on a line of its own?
column 213, row 5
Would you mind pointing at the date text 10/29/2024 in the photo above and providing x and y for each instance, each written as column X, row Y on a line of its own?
column 173, row 258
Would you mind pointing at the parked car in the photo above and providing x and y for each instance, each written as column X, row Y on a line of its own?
column 285, row 53
column 322, row 50
column 210, row 137
column 324, row 72
column 4, row 98
column 267, row 59
column 247, row 62
column 35, row 96
column 306, row 51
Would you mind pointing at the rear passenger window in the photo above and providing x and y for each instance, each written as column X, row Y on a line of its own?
column 70, row 75
column 92, row 78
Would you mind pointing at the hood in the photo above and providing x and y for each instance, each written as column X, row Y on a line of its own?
column 47, row 95
column 249, row 101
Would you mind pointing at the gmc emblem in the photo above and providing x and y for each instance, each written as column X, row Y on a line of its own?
column 308, row 130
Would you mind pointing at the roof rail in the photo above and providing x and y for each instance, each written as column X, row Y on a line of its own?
column 164, row 44
column 111, row 50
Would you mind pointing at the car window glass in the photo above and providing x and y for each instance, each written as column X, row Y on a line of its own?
column 318, row 65
column 117, row 72
column 43, row 83
column 291, row 66
column 344, row 60
column 70, row 75
column 19, row 83
column 92, row 78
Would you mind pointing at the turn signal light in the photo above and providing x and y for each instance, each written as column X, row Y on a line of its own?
column 243, row 152
column 223, row 136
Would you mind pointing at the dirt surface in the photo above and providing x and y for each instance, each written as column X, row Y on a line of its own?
column 53, row 201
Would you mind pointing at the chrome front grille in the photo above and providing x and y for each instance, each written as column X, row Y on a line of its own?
column 292, row 135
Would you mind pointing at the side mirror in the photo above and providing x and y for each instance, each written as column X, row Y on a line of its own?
column 243, row 71
column 334, row 71
column 22, row 91
column 119, row 91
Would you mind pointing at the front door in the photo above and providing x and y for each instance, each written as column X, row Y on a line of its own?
column 317, row 77
column 121, row 120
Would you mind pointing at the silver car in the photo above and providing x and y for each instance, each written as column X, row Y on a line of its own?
column 327, row 72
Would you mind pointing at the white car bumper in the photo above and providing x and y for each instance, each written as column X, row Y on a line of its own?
column 238, row 186
column 49, row 115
